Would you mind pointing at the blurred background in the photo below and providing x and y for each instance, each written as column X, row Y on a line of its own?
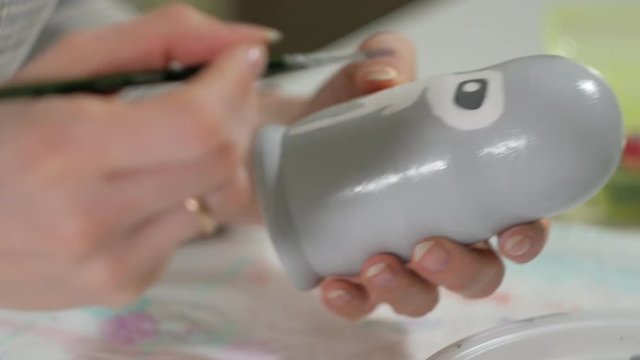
column 329, row 19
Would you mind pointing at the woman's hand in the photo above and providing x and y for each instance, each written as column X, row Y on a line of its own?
column 91, row 206
column 411, row 289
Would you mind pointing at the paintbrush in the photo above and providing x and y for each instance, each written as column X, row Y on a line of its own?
column 109, row 84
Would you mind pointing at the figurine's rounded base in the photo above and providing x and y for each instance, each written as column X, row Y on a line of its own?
column 268, row 179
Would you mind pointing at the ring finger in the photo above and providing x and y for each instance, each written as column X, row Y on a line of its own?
column 123, row 271
column 138, row 196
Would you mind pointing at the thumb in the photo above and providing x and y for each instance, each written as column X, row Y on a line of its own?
column 229, row 85
column 231, row 76
column 214, row 110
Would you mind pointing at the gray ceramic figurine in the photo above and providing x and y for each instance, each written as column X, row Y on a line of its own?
column 462, row 156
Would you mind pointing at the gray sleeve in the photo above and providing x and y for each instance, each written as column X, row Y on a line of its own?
column 72, row 15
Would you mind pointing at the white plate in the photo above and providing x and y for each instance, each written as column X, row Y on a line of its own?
column 613, row 335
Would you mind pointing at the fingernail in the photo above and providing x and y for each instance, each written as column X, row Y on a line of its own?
column 431, row 256
column 339, row 297
column 274, row 35
column 382, row 74
column 381, row 275
column 251, row 58
column 517, row 245
column 256, row 58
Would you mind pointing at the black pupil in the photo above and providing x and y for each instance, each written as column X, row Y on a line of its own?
column 470, row 94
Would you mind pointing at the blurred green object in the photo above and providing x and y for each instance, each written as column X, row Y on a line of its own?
column 606, row 36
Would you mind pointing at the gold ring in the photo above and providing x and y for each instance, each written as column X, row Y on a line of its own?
column 208, row 223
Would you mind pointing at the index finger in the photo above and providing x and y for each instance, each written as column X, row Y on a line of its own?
column 176, row 33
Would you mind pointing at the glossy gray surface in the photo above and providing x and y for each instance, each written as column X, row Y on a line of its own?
column 462, row 156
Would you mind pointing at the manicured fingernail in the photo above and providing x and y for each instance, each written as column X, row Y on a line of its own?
column 274, row 35
column 250, row 59
column 339, row 297
column 381, row 275
column 257, row 59
column 517, row 245
column 431, row 256
column 381, row 74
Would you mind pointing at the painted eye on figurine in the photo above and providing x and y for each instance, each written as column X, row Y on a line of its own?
column 470, row 94
column 467, row 101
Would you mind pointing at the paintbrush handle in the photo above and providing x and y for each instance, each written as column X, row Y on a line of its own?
column 109, row 84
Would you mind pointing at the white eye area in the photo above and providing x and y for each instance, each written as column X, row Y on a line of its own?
column 471, row 86
column 467, row 101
